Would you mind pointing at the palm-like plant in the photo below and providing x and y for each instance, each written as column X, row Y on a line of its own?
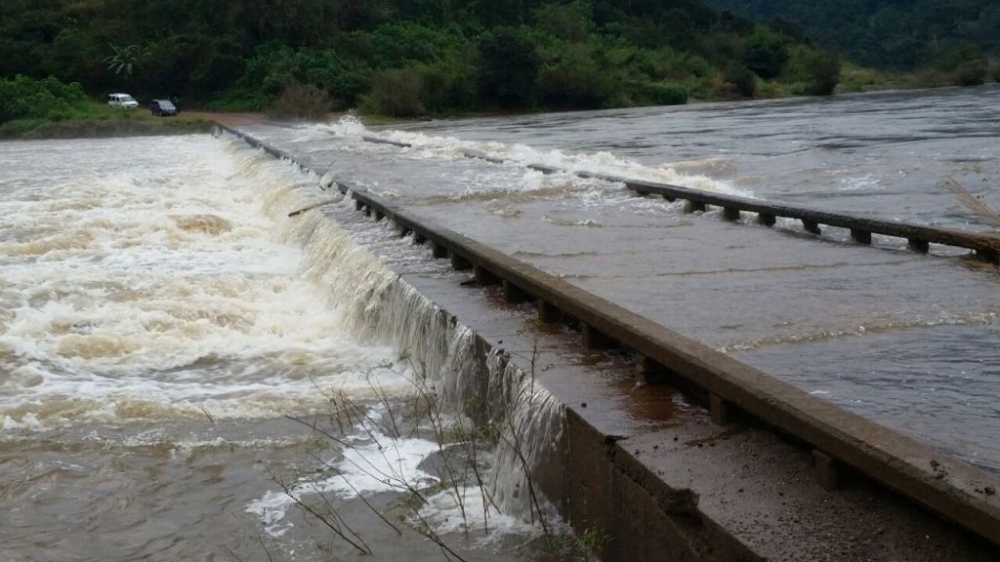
column 124, row 60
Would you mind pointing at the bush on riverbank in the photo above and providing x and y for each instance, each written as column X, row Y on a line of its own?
column 396, row 93
column 22, row 98
column 300, row 101
column 741, row 79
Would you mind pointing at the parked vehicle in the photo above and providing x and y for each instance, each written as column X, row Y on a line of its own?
column 163, row 108
column 122, row 100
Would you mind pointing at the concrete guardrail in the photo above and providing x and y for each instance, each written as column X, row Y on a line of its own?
column 919, row 238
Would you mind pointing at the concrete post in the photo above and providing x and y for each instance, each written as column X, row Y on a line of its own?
column 693, row 206
column 811, row 226
column 484, row 277
column 512, row 293
column 766, row 220
column 721, row 411
column 921, row 246
column 829, row 473
column 650, row 372
column 548, row 312
column 458, row 263
column 861, row 236
column 989, row 256
column 594, row 339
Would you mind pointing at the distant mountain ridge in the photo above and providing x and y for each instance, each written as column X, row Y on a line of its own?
column 895, row 34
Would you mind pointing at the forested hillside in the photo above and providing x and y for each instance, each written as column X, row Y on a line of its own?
column 897, row 34
column 403, row 57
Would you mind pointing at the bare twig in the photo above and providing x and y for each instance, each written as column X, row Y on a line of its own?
column 972, row 203
column 205, row 412
column 267, row 552
column 360, row 545
column 365, row 500
column 313, row 206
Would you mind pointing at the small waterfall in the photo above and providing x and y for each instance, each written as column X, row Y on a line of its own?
column 380, row 307
column 531, row 422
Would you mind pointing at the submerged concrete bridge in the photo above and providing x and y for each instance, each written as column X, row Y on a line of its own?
column 762, row 470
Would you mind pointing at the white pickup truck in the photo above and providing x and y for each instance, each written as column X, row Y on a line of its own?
column 122, row 100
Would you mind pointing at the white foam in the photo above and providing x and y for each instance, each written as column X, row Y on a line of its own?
column 474, row 515
column 423, row 146
column 374, row 463
column 866, row 183
column 166, row 285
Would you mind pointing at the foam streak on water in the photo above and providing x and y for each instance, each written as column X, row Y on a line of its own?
column 516, row 156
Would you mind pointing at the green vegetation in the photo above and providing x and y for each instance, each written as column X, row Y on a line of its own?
column 404, row 58
column 22, row 98
column 942, row 42
column 301, row 100
column 49, row 108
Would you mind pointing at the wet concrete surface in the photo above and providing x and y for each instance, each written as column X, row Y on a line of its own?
column 645, row 465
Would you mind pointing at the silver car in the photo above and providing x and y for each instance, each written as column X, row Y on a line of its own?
column 122, row 100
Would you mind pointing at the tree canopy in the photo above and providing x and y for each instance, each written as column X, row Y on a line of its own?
column 405, row 57
column 895, row 34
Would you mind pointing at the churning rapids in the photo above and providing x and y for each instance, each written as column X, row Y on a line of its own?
column 166, row 329
column 180, row 364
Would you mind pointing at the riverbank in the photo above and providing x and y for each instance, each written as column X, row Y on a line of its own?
column 44, row 109
column 91, row 128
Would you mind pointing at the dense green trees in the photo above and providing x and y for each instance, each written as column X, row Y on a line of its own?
column 896, row 34
column 508, row 68
column 408, row 58
column 24, row 98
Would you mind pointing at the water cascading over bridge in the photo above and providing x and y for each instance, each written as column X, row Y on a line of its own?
column 784, row 287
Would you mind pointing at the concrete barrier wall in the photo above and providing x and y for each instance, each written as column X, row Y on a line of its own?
column 838, row 439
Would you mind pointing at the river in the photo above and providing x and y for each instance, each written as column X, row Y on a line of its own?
column 164, row 331
column 181, row 364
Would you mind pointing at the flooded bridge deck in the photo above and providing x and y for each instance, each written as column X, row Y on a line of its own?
column 785, row 301
column 904, row 338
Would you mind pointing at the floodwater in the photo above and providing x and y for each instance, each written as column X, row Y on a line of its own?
column 908, row 340
column 180, row 364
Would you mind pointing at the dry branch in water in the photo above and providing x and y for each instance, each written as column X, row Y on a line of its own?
column 972, row 203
